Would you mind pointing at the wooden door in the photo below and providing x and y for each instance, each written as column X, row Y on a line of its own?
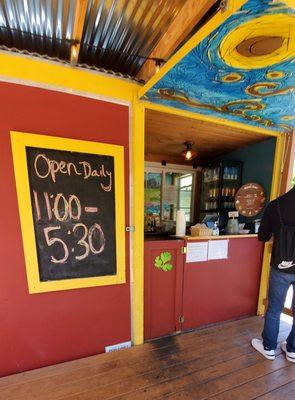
column 163, row 264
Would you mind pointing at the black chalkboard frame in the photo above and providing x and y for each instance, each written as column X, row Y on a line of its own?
column 20, row 141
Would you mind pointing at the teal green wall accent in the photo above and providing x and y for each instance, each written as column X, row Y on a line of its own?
column 258, row 160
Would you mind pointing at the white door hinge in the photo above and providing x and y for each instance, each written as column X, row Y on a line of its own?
column 130, row 228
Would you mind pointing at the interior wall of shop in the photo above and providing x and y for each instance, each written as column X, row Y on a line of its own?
column 43, row 329
column 258, row 162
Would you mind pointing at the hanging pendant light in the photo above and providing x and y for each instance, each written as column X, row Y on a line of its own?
column 189, row 153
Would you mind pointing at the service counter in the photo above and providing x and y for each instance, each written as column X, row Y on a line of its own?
column 195, row 238
column 181, row 295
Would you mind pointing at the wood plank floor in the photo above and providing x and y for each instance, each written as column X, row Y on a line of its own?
column 216, row 363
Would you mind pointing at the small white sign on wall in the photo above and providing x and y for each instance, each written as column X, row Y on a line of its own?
column 197, row 252
column 117, row 347
column 218, row 250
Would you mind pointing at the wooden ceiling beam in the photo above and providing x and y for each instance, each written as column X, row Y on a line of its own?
column 187, row 18
column 79, row 20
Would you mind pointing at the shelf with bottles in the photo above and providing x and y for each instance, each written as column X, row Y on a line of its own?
column 228, row 192
column 220, row 183
column 211, row 205
column 231, row 173
column 211, row 175
column 212, row 193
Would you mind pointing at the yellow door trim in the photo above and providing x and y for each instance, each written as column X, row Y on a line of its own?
column 275, row 190
column 137, row 276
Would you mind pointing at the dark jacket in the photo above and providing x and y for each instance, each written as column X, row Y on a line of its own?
column 270, row 224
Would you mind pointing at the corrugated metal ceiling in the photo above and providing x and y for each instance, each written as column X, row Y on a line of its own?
column 42, row 26
column 117, row 34
column 118, row 31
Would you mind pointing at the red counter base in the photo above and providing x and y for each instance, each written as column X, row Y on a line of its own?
column 225, row 289
column 202, row 293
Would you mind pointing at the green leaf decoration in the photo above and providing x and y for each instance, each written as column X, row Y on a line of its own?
column 166, row 256
column 162, row 261
column 158, row 262
column 167, row 267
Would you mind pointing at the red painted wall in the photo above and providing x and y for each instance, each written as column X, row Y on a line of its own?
column 220, row 290
column 42, row 329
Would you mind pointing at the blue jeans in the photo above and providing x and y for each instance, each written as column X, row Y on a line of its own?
column 279, row 283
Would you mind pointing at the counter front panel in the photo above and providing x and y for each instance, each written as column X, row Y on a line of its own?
column 193, row 294
column 219, row 290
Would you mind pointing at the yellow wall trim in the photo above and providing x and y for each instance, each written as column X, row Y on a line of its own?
column 56, row 76
column 137, row 278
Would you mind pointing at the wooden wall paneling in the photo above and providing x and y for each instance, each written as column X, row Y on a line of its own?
column 166, row 133
column 191, row 13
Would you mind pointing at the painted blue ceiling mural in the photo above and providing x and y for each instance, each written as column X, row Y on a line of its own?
column 243, row 71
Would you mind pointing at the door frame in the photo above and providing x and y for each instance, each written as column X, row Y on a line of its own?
column 275, row 187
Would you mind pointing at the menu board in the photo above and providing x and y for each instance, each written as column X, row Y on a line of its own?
column 250, row 199
column 73, row 204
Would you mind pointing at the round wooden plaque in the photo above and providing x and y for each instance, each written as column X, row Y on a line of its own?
column 250, row 199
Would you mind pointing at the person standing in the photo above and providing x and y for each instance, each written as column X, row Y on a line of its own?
column 279, row 222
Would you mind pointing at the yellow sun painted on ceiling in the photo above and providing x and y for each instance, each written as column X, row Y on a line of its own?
column 260, row 42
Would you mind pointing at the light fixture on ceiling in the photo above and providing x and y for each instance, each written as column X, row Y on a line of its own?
column 159, row 62
column 189, row 153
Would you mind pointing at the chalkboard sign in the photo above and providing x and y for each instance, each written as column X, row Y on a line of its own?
column 72, row 209
column 72, row 196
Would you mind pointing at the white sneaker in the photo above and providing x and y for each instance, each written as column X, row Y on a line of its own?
column 290, row 356
column 258, row 345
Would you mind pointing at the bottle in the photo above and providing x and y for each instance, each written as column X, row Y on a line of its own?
column 216, row 174
column 225, row 173
column 215, row 231
column 231, row 173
